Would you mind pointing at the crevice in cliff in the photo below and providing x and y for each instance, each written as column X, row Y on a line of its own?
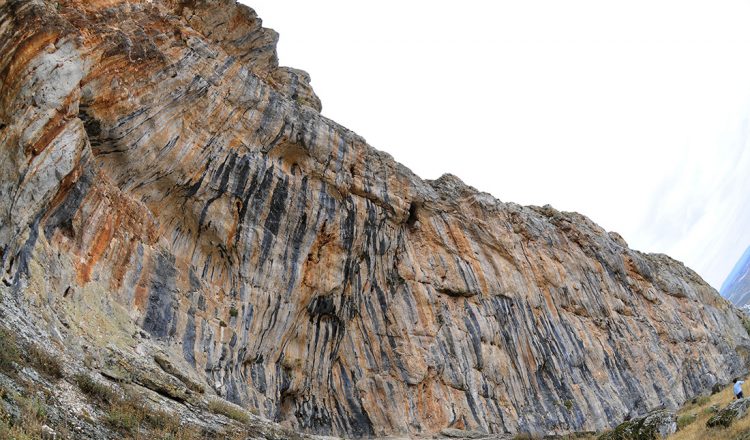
column 92, row 126
column 413, row 218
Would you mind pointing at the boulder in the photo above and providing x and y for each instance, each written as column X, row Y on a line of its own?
column 725, row 417
column 655, row 425
column 48, row 433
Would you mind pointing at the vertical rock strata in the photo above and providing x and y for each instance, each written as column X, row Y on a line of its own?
column 159, row 169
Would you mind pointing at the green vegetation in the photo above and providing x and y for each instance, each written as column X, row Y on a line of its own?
column 233, row 312
column 723, row 419
column 568, row 404
column 700, row 410
column 710, row 410
column 229, row 410
column 685, row 419
column 128, row 415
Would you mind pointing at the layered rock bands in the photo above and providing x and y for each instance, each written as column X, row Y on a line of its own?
column 161, row 174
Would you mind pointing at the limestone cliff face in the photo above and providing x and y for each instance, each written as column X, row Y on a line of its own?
column 159, row 170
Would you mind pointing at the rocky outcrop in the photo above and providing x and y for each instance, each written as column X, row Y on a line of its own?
column 654, row 426
column 736, row 288
column 162, row 179
column 736, row 410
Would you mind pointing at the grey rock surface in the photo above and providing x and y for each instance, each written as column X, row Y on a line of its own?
column 653, row 426
column 728, row 415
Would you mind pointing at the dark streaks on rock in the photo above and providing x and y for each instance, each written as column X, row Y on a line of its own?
column 159, row 318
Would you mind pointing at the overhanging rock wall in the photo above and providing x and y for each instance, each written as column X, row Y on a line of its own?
column 158, row 169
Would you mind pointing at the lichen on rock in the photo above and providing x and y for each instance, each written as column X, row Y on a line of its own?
column 726, row 416
column 653, row 426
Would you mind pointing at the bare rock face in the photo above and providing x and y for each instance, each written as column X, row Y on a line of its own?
column 161, row 175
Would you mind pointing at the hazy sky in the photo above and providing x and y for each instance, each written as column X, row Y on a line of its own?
column 633, row 113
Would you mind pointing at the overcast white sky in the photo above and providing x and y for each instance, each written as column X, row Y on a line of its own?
column 633, row 113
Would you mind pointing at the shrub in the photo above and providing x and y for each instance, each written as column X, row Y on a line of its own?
column 702, row 400
column 162, row 420
column 722, row 419
column 124, row 418
column 233, row 312
column 44, row 362
column 94, row 389
column 229, row 410
column 713, row 409
column 32, row 414
column 9, row 352
column 130, row 413
column 685, row 420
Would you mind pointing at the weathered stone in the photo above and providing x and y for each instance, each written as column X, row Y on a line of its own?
column 165, row 184
column 184, row 377
column 295, row 84
column 48, row 433
column 653, row 426
column 726, row 416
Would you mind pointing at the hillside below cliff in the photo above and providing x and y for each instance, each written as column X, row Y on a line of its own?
column 178, row 219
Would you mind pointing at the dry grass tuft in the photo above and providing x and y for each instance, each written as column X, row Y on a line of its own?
column 28, row 426
column 10, row 355
column 94, row 389
column 44, row 362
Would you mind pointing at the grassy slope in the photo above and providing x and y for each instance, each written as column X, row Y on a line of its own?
column 697, row 430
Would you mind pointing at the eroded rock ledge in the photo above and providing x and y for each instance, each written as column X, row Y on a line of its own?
column 159, row 170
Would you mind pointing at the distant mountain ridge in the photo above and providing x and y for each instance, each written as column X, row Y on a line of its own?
column 736, row 287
